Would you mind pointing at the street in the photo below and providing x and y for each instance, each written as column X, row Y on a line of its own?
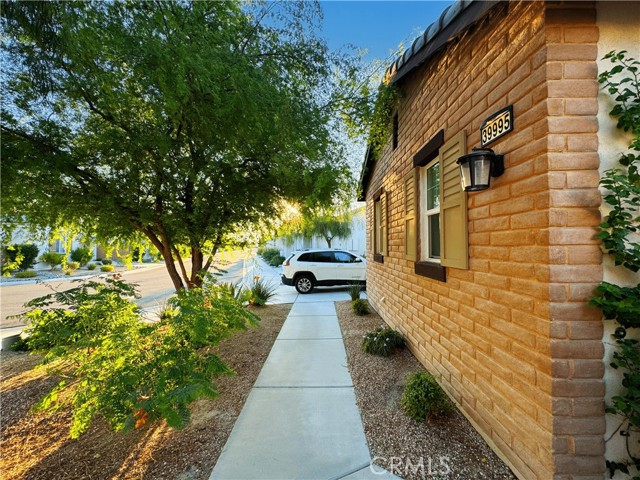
column 154, row 286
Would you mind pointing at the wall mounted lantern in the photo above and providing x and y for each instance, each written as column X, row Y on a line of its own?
column 477, row 168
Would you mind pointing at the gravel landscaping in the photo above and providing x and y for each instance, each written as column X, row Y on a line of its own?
column 38, row 446
column 440, row 448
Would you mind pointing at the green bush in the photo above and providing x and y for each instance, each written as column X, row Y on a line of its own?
column 276, row 261
column 91, row 266
column 20, row 345
column 271, row 256
column 423, row 397
column 382, row 341
column 26, row 274
column 360, row 307
column 354, row 291
column 234, row 289
column 124, row 370
column 107, row 268
column 106, row 261
column 22, row 254
column 260, row 292
column 52, row 259
column 73, row 266
column 82, row 255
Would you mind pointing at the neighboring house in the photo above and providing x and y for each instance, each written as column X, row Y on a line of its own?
column 356, row 243
column 491, row 288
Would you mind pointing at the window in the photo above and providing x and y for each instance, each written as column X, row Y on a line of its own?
column 442, row 216
column 306, row 257
column 430, row 208
column 344, row 257
column 379, row 231
column 395, row 131
column 323, row 257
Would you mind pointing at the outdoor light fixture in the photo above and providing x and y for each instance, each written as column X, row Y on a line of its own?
column 477, row 168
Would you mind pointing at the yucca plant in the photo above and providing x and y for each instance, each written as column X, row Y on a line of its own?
column 354, row 291
column 260, row 292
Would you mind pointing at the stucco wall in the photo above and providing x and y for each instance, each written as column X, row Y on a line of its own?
column 618, row 24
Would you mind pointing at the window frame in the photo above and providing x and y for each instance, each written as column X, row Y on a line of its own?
column 426, row 213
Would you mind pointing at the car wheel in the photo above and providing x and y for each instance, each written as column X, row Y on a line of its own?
column 304, row 284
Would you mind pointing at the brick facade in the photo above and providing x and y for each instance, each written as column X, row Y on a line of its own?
column 511, row 339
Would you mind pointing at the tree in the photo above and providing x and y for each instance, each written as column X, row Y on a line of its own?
column 183, row 122
column 329, row 227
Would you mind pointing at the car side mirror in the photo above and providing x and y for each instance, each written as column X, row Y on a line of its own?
column 357, row 260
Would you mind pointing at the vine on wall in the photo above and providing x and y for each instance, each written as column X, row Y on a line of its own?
column 619, row 236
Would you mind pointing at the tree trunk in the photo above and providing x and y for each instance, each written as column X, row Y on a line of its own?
column 197, row 259
column 328, row 239
column 171, row 268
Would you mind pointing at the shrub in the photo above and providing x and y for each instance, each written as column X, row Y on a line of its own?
column 271, row 256
column 52, row 259
column 360, row 307
column 106, row 261
column 20, row 345
column 260, row 292
column 382, row 341
column 26, row 274
column 107, row 268
column 91, row 266
column 276, row 261
column 73, row 266
column 423, row 397
column 234, row 289
column 354, row 291
column 22, row 254
column 82, row 255
column 126, row 371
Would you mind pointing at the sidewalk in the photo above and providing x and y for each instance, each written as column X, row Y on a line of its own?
column 300, row 420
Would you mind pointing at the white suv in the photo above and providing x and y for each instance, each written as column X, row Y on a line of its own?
column 311, row 268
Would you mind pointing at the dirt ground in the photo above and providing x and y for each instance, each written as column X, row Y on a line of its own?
column 37, row 446
column 441, row 448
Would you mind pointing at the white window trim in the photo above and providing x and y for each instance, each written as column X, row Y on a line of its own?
column 425, row 213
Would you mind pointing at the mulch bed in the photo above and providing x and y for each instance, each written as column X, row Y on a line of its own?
column 37, row 446
column 397, row 442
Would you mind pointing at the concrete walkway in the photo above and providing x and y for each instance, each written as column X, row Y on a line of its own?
column 300, row 420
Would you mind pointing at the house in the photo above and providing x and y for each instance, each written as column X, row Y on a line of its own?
column 491, row 287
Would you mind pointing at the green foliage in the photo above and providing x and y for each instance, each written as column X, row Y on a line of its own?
column 73, row 266
column 106, row 261
column 271, row 256
column 260, row 292
column 180, row 122
column 126, row 371
column 622, row 304
column 22, row 255
column 107, row 268
column 382, row 341
column 20, row 345
column 9, row 265
column 52, row 259
column 92, row 266
column 26, row 274
column 82, row 255
column 423, row 397
column 329, row 227
column 354, row 291
column 235, row 290
column 360, row 307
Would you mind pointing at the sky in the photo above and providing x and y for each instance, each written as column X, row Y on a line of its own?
column 378, row 26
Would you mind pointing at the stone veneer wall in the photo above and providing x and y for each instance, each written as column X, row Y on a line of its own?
column 511, row 339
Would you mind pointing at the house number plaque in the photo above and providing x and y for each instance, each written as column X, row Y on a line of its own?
column 496, row 126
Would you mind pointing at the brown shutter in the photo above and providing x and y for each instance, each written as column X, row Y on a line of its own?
column 454, row 238
column 410, row 209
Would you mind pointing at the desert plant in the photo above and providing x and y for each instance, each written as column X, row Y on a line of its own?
column 52, row 259
column 382, row 341
column 423, row 397
column 106, row 261
column 24, row 255
column 126, row 371
column 91, row 266
column 360, row 307
column 73, row 266
column 260, row 292
column 82, row 255
column 107, row 268
column 354, row 291
column 26, row 274
column 234, row 289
